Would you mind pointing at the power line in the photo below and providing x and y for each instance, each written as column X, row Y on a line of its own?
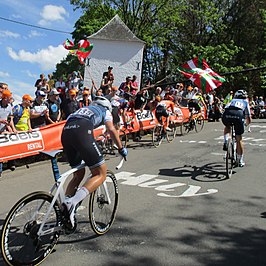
column 34, row 26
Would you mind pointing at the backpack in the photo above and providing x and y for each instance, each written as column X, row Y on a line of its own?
column 17, row 113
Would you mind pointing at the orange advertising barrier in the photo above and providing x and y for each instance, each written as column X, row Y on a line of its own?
column 23, row 144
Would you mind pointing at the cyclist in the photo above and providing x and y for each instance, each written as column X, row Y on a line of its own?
column 79, row 144
column 235, row 113
column 162, row 111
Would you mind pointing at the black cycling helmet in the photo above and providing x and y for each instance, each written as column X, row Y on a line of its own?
column 100, row 100
column 241, row 94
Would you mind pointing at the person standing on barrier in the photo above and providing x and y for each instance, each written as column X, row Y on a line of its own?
column 79, row 144
column 235, row 114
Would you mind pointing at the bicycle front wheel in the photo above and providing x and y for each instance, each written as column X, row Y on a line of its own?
column 157, row 136
column 199, row 123
column 229, row 160
column 20, row 244
column 170, row 135
column 103, row 205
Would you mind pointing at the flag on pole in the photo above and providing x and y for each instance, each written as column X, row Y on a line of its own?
column 198, row 71
column 82, row 49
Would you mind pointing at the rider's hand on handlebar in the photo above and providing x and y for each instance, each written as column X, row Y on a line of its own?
column 123, row 152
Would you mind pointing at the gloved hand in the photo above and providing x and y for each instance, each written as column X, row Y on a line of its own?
column 123, row 152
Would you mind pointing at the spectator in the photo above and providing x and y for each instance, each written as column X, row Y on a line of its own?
column 141, row 99
column 54, row 105
column 5, row 111
column 51, row 81
column 3, row 86
column 39, row 81
column 125, row 86
column 261, row 103
column 60, row 84
column 85, row 98
column 20, row 117
column 45, row 86
column 71, row 104
column 107, row 81
column 228, row 98
column 40, row 112
column 134, row 86
column 75, row 80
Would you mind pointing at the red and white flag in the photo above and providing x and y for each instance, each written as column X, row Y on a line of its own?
column 199, row 72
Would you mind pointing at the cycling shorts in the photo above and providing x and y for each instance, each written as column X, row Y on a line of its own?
column 194, row 104
column 79, row 144
column 161, row 112
column 235, row 117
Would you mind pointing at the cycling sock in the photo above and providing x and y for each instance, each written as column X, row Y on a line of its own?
column 240, row 158
column 80, row 195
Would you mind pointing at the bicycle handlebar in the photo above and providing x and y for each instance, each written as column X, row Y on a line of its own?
column 120, row 163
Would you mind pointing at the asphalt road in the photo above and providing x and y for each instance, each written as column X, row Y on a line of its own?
column 175, row 206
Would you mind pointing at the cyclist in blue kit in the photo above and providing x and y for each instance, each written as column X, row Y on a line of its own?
column 236, row 112
column 79, row 144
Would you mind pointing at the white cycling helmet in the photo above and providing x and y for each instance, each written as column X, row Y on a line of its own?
column 241, row 94
column 100, row 100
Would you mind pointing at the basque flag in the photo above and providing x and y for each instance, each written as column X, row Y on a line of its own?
column 199, row 72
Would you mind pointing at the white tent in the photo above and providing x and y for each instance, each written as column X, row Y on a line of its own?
column 114, row 45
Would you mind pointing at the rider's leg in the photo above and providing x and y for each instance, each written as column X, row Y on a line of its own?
column 227, row 130
column 240, row 150
column 74, row 182
column 97, row 178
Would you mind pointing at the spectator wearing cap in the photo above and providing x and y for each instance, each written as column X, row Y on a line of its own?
column 86, row 100
column 54, row 105
column 40, row 111
column 20, row 117
column 71, row 104
column 5, row 111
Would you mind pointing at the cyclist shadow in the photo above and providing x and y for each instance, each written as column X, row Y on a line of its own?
column 81, row 234
column 211, row 172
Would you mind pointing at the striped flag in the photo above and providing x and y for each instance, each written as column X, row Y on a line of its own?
column 82, row 49
column 198, row 71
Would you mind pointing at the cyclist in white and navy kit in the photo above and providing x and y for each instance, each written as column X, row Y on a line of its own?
column 79, row 144
column 236, row 112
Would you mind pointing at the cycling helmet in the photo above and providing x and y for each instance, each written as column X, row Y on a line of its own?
column 100, row 100
column 241, row 94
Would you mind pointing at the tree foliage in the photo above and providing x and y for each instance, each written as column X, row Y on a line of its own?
column 230, row 34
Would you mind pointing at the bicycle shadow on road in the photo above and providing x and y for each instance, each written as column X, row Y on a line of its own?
column 211, row 172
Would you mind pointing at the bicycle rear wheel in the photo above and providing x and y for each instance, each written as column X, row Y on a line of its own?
column 199, row 123
column 229, row 160
column 185, row 127
column 103, row 205
column 20, row 244
column 157, row 137
column 170, row 135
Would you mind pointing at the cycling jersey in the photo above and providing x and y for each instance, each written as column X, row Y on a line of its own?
column 78, row 139
column 241, row 104
column 97, row 114
column 235, row 113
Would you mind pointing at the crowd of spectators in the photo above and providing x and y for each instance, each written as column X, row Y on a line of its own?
column 55, row 100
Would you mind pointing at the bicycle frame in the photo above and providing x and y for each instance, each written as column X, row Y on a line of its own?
column 60, row 197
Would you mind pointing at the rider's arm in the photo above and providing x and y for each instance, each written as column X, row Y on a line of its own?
column 113, row 133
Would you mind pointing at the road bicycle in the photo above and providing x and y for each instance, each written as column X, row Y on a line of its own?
column 195, row 121
column 159, row 133
column 107, row 144
column 230, row 155
column 33, row 226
